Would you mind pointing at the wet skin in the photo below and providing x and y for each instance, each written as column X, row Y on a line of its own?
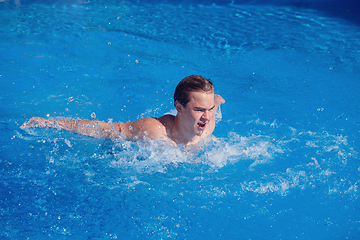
column 193, row 122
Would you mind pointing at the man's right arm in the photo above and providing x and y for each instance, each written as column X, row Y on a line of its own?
column 90, row 128
column 137, row 130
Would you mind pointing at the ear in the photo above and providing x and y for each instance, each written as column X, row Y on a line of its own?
column 179, row 107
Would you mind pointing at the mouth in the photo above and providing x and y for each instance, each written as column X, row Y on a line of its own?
column 202, row 125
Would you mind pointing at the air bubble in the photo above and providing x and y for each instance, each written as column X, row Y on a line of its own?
column 93, row 115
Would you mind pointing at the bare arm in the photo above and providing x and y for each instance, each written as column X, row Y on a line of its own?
column 218, row 101
column 137, row 130
column 92, row 128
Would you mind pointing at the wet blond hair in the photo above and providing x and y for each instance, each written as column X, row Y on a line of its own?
column 193, row 83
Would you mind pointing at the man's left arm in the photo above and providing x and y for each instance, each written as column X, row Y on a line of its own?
column 218, row 101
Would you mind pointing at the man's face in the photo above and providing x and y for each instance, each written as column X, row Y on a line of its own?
column 198, row 112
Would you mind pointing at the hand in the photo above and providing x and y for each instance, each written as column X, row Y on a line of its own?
column 218, row 100
column 35, row 121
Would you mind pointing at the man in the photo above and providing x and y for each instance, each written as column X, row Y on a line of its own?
column 195, row 103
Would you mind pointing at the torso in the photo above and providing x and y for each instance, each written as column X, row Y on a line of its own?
column 168, row 121
column 159, row 129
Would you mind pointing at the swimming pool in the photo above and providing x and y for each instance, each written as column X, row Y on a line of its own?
column 285, row 164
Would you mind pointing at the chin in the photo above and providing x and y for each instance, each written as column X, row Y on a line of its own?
column 199, row 132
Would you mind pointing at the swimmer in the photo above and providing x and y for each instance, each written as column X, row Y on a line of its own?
column 195, row 103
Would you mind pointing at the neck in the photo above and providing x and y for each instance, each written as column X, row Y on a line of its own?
column 180, row 135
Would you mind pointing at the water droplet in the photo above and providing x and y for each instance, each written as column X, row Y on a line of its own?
column 68, row 143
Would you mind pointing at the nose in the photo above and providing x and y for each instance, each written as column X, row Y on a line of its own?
column 206, row 115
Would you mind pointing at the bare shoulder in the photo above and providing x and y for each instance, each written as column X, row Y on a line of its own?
column 167, row 120
column 149, row 124
column 143, row 128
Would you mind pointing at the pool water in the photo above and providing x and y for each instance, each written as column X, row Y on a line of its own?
column 285, row 161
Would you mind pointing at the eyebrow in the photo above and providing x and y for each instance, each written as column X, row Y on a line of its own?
column 202, row 109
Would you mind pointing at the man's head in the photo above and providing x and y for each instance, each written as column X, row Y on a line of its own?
column 193, row 83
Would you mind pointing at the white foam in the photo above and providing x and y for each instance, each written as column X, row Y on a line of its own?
column 288, row 159
column 153, row 157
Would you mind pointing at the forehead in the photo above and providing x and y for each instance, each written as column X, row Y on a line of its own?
column 205, row 99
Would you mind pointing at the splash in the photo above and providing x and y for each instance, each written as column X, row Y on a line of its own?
column 271, row 158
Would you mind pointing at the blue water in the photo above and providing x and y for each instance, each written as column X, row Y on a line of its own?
column 285, row 162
